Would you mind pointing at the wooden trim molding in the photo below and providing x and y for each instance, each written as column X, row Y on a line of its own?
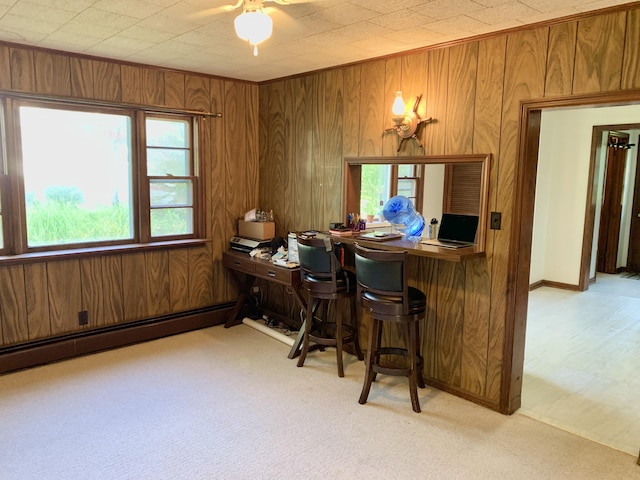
column 560, row 285
column 41, row 352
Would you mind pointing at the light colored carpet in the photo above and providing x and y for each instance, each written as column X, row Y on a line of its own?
column 227, row 403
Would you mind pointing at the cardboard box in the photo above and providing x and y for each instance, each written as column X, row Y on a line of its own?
column 256, row 230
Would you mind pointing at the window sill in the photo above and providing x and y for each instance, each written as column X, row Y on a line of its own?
column 99, row 251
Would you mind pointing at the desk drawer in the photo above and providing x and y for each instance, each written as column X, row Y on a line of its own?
column 275, row 274
column 241, row 264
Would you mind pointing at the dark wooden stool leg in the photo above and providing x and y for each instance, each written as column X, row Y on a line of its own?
column 369, row 374
column 413, row 374
column 312, row 304
column 354, row 326
column 420, row 379
column 339, row 336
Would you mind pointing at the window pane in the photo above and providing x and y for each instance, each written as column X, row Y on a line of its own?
column 162, row 162
column 170, row 193
column 167, row 133
column 375, row 189
column 77, row 176
column 171, row 221
column 407, row 187
column 406, row 170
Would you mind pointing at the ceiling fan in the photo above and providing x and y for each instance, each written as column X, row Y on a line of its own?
column 254, row 24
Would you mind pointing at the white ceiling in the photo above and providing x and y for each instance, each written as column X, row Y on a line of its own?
column 198, row 35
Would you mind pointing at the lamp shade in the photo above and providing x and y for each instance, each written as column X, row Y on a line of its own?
column 398, row 104
column 254, row 26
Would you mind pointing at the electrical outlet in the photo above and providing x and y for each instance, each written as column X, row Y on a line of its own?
column 496, row 220
column 83, row 318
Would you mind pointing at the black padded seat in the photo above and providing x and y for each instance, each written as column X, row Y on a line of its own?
column 385, row 293
column 324, row 280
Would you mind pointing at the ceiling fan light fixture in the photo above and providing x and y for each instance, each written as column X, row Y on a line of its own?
column 255, row 26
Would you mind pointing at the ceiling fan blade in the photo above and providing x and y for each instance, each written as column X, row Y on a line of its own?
column 217, row 10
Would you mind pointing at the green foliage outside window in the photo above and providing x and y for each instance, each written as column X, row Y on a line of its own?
column 374, row 189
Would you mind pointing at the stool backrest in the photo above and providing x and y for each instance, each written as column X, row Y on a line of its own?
column 318, row 261
column 383, row 273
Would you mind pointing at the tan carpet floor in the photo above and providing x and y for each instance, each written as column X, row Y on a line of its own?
column 227, row 403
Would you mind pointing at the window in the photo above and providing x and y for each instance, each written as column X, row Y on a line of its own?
column 381, row 182
column 84, row 176
column 170, row 173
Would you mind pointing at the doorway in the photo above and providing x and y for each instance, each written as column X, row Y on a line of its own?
column 530, row 134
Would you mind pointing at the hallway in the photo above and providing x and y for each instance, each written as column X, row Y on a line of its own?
column 582, row 361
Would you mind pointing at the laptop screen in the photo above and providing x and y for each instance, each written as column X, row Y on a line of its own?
column 458, row 228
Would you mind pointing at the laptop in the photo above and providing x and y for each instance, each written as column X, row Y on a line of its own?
column 456, row 231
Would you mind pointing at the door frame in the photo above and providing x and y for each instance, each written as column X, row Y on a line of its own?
column 522, row 232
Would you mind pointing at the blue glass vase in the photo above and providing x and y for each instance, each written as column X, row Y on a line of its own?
column 400, row 212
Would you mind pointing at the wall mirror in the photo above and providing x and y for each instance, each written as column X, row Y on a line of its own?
column 435, row 184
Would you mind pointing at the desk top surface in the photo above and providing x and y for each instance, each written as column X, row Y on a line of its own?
column 415, row 248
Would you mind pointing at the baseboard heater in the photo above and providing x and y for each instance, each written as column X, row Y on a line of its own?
column 40, row 352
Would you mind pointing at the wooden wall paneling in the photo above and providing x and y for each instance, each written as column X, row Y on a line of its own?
column 13, row 305
column 107, row 81
column 436, row 101
column 92, row 290
column 37, row 300
column 237, row 184
column 263, row 142
column 200, row 278
column 599, row 52
column 152, row 86
column 475, row 336
column 249, row 107
column 81, row 73
column 351, row 109
column 488, row 101
column 174, row 89
column 631, row 58
column 112, row 289
column 179, row 280
column 371, row 109
column 560, row 59
column 300, row 154
column 200, row 270
column 5, row 71
column 423, row 274
column 393, row 81
column 134, row 286
column 131, row 84
column 524, row 79
column 414, row 83
column 486, row 138
column 65, row 295
column 281, row 134
column 158, row 282
column 449, row 322
column 197, row 92
column 218, row 225
column 330, row 116
column 22, row 70
column 463, row 65
column 52, row 73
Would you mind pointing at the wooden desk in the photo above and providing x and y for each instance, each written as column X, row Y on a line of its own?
column 415, row 248
column 242, row 265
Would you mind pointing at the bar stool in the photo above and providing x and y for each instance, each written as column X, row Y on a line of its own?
column 324, row 280
column 385, row 293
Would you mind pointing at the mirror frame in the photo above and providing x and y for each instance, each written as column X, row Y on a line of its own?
column 352, row 176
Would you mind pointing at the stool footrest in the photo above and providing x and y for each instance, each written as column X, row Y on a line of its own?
column 393, row 369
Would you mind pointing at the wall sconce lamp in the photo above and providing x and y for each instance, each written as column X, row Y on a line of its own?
column 408, row 123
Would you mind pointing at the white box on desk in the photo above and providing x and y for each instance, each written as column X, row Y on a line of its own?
column 256, row 230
